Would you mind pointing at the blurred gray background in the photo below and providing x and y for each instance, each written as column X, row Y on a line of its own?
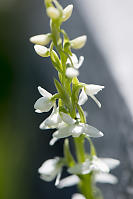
column 108, row 62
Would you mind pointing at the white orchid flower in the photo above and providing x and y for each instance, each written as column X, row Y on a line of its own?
column 68, row 181
column 72, row 71
column 105, row 178
column 52, row 121
column 78, row 196
column 89, row 90
column 50, row 170
column 101, row 165
column 44, row 104
column 71, row 128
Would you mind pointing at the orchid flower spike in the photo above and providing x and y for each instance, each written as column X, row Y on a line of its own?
column 71, row 128
column 89, row 90
column 72, row 70
column 51, row 169
column 44, row 104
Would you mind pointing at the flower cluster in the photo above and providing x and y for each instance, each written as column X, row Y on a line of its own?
column 67, row 117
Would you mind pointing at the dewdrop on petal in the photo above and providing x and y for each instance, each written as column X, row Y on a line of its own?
column 43, row 39
column 53, row 12
column 42, row 50
column 79, row 42
column 67, row 12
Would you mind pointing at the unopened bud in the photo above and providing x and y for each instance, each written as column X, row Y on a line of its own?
column 53, row 12
column 42, row 50
column 67, row 12
column 41, row 39
column 79, row 42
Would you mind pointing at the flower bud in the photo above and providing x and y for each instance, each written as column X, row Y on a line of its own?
column 41, row 50
column 53, row 12
column 41, row 39
column 79, row 42
column 67, row 12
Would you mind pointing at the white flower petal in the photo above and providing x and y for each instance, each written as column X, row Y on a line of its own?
column 78, row 42
column 53, row 141
column 92, row 131
column 74, row 60
column 43, row 39
column 106, row 178
column 58, row 178
column 49, row 169
column 53, row 12
column 98, row 165
column 66, row 118
column 68, row 181
column 41, row 50
column 96, row 100
column 52, row 121
column 43, row 104
column 44, row 93
column 92, row 89
column 78, row 65
column 71, row 72
column 78, row 196
column 77, row 130
column 82, row 98
column 63, row 132
column 112, row 163
column 67, row 12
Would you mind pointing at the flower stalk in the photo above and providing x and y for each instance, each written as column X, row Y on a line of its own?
column 68, row 118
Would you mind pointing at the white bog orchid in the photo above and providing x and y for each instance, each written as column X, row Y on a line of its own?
column 89, row 90
column 100, row 165
column 72, row 71
column 44, row 104
column 50, row 170
column 52, row 121
column 71, row 128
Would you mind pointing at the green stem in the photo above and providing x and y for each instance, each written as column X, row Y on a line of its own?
column 79, row 147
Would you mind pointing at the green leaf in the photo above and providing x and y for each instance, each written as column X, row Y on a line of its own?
column 67, row 154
